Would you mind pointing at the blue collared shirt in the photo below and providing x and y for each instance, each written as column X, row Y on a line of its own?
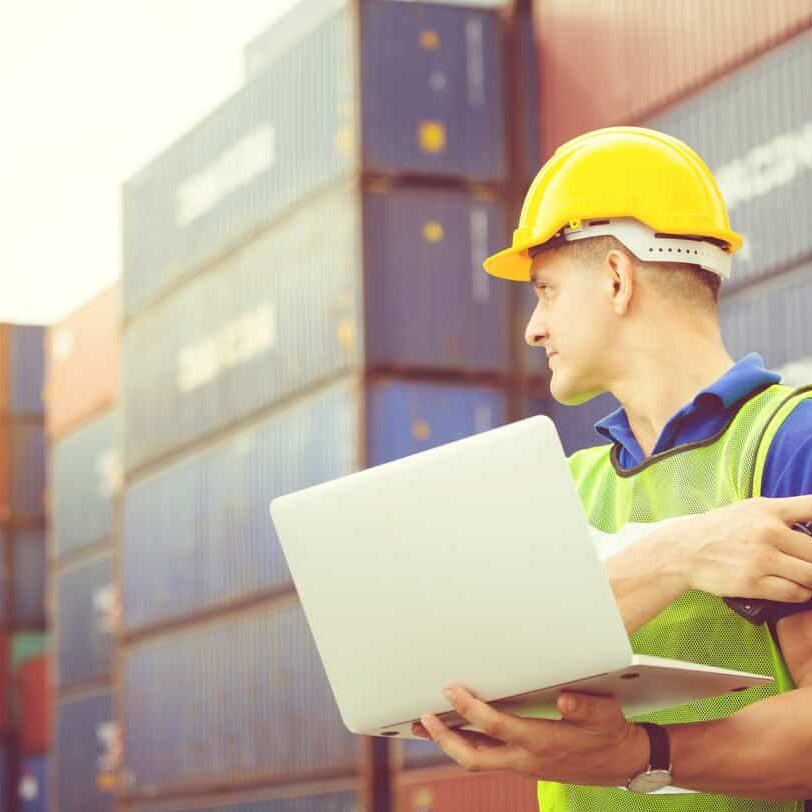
column 788, row 468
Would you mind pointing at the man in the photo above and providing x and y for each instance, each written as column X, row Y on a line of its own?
column 625, row 238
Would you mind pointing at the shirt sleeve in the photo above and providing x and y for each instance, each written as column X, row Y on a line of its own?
column 788, row 472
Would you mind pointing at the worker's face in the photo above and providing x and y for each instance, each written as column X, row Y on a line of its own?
column 572, row 322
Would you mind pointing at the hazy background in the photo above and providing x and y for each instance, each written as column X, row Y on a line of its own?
column 92, row 90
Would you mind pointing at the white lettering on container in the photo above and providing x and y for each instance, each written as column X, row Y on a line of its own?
column 236, row 167
column 766, row 167
column 110, row 471
column 237, row 343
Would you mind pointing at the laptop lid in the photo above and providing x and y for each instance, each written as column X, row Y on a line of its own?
column 471, row 562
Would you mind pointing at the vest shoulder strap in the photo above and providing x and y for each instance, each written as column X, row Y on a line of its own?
column 770, row 429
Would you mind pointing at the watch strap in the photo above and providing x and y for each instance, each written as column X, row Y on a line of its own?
column 660, row 746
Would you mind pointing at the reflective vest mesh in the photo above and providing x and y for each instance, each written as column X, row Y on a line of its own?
column 697, row 627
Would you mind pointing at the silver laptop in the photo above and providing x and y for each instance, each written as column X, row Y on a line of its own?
column 470, row 563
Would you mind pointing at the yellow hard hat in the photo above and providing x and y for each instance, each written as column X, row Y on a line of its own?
column 621, row 176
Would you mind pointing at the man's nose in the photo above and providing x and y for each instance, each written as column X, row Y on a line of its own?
column 535, row 333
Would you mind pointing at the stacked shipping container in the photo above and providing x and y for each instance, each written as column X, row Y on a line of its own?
column 84, row 484
column 303, row 296
column 754, row 129
column 22, row 540
column 748, row 113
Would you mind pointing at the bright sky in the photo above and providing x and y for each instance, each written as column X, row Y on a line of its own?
column 92, row 90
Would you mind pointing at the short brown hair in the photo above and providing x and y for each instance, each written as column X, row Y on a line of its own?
column 678, row 279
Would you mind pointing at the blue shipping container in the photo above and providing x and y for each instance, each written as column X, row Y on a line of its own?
column 85, row 477
column 575, row 424
column 83, row 734
column 28, row 557
column 263, row 151
column 235, row 700
column 264, row 802
column 197, row 533
column 26, row 369
column 27, row 470
column 754, row 130
column 772, row 318
column 84, row 641
column 288, row 311
column 32, row 786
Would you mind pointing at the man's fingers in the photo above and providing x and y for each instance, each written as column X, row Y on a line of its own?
column 793, row 569
column 796, row 544
column 774, row 588
column 493, row 723
column 591, row 711
column 472, row 751
column 792, row 508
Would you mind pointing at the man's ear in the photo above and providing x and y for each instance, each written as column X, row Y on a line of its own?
column 621, row 271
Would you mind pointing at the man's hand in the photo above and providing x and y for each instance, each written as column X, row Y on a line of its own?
column 592, row 744
column 748, row 550
column 743, row 550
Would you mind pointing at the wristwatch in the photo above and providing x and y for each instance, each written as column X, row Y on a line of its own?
column 658, row 773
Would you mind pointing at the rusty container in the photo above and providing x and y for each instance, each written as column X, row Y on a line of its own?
column 34, row 706
column 82, row 364
column 620, row 61
column 449, row 789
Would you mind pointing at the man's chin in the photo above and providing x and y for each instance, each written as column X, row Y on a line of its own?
column 568, row 394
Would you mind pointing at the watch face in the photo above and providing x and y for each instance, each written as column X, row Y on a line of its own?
column 650, row 781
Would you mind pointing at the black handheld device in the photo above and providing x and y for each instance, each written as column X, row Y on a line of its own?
column 756, row 610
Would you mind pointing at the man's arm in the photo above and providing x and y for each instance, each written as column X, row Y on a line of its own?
column 743, row 550
column 764, row 751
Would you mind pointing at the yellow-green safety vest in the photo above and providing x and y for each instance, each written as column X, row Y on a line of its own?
column 697, row 627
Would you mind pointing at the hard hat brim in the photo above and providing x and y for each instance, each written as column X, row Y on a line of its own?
column 513, row 263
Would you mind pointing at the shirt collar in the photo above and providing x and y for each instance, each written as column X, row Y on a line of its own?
column 740, row 380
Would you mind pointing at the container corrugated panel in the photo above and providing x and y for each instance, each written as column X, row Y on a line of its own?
column 263, row 151
column 83, row 347
column 32, row 785
column 26, row 369
column 275, row 142
column 235, row 700
column 575, row 424
column 404, row 417
column 34, row 705
column 444, row 66
column 650, row 54
column 281, row 314
column 197, row 533
column 428, row 301
column 287, row 312
column 28, row 557
column 754, row 130
column 83, row 727
column 24, row 496
column 84, row 642
column 85, row 477
column 771, row 318
column 451, row 790
column 264, row 802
